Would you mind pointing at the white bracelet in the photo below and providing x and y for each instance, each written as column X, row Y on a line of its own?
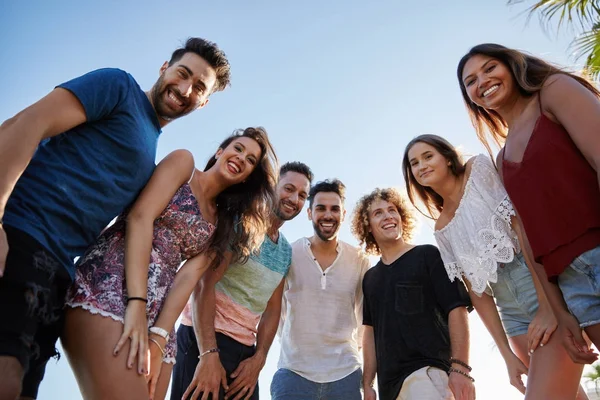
column 160, row 332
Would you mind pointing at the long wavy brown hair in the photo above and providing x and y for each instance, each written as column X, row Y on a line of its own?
column 360, row 218
column 529, row 72
column 433, row 202
column 244, row 209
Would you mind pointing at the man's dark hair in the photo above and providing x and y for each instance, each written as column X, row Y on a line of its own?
column 211, row 53
column 297, row 166
column 334, row 186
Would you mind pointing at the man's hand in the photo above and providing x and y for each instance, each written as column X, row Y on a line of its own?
column 370, row 393
column 461, row 386
column 208, row 378
column 541, row 328
column 245, row 377
column 573, row 341
column 3, row 250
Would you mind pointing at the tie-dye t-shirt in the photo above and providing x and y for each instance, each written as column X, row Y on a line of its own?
column 244, row 290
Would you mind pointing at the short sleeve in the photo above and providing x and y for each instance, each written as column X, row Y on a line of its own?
column 490, row 187
column 100, row 92
column 450, row 263
column 449, row 295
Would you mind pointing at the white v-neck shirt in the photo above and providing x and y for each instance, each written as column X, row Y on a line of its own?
column 321, row 314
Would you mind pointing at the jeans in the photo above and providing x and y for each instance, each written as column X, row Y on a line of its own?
column 288, row 385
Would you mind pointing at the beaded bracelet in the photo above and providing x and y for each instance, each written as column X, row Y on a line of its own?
column 137, row 298
column 458, row 371
column 215, row 350
column 461, row 363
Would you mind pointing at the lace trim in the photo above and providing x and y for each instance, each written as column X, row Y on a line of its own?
column 505, row 210
column 495, row 246
column 96, row 311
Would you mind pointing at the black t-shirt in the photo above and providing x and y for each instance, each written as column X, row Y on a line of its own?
column 407, row 303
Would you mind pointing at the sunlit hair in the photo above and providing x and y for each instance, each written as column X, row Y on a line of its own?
column 211, row 53
column 334, row 186
column 244, row 209
column 298, row 167
column 432, row 201
column 360, row 218
column 529, row 73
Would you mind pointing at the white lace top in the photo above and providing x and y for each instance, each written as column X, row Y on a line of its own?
column 479, row 236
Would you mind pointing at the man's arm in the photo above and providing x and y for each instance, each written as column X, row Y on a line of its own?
column 452, row 297
column 458, row 325
column 20, row 135
column 245, row 377
column 370, row 362
column 359, row 300
column 209, row 374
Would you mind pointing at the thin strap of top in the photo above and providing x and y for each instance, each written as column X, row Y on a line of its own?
column 193, row 171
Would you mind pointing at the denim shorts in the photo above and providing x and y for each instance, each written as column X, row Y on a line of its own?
column 515, row 295
column 580, row 285
column 288, row 385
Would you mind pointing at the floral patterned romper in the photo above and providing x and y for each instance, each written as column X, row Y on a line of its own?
column 180, row 233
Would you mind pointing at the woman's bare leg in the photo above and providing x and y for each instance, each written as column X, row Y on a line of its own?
column 552, row 374
column 89, row 341
column 163, row 381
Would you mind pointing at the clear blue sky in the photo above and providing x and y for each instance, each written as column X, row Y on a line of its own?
column 339, row 85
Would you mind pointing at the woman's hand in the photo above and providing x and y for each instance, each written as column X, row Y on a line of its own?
column 135, row 328
column 156, row 354
column 541, row 328
column 516, row 370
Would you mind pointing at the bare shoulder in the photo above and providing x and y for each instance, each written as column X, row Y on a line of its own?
column 181, row 155
column 180, row 159
column 560, row 89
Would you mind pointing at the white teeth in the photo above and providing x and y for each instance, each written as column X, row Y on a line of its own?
column 289, row 207
column 175, row 99
column 386, row 226
column 327, row 225
column 490, row 91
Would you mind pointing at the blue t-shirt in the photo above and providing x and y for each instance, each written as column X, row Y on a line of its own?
column 79, row 180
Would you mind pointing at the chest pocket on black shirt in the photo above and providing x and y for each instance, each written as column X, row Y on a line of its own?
column 408, row 298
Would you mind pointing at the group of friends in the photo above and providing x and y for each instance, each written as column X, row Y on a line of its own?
column 518, row 240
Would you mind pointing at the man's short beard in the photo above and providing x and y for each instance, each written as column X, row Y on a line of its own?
column 320, row 235
column 284, row 217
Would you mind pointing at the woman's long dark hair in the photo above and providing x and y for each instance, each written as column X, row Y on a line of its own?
column 433, row 202
column 529, row 72
column 244, row 210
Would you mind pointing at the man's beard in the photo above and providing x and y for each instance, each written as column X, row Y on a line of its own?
column 321, row 235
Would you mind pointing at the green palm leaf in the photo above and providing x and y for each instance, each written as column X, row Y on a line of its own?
column 584, row 11
column 588, row 45
column 587, row 15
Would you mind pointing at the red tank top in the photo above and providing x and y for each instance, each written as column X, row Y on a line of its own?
column 555, row 192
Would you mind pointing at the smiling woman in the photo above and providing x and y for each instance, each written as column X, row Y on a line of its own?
column 550, row 166
column 130, row 281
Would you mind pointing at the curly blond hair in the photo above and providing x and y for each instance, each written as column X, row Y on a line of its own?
column 360, row 217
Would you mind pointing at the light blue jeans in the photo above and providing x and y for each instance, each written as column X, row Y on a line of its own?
column 580, row 285
column 515, row 296
column 287, row 385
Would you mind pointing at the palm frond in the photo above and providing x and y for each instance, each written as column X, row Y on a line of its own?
column 586, row 12
column 588, row 45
